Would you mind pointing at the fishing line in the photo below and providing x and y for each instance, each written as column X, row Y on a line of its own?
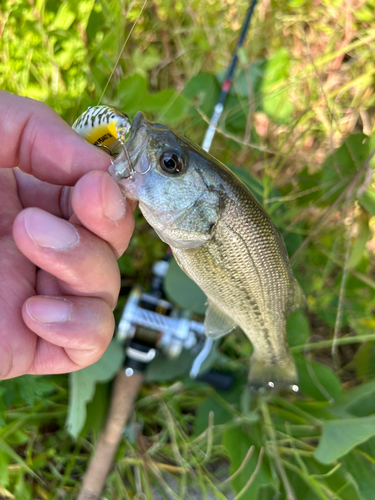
column 121, row 51
column 227, row 83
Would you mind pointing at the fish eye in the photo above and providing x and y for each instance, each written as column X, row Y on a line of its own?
column 171, row 162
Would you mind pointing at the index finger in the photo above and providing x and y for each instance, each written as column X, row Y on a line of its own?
column 40, row 143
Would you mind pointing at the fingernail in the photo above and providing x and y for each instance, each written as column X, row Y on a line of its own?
column 48, row 309
column 48, row 231
column 113, row 200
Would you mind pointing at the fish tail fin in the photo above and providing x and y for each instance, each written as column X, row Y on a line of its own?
column 264, row 374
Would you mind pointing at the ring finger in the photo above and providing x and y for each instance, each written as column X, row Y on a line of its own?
column 73, row 331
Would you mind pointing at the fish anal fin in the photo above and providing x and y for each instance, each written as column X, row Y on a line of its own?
column 265, row 375
column 216, row 323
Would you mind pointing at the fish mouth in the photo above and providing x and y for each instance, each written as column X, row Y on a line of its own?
column 122, row 168
column 139, row 121
column 138, row 136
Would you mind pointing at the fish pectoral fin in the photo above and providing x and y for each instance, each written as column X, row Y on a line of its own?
column 182, row 239
column 217, row 323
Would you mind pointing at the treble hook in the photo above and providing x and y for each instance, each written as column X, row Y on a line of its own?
column 121, row 136
column 131, row 167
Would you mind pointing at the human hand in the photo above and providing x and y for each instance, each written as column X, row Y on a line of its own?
column 59, row 280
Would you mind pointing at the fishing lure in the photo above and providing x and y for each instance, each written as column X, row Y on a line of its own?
column 105, row 127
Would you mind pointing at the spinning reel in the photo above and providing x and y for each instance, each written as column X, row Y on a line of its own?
column 151, row 327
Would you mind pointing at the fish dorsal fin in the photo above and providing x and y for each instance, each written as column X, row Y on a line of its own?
column 217, row 323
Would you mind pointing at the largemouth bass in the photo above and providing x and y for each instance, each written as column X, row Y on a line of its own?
column 222, row 238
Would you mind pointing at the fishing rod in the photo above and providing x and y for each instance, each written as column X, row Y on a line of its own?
column 227, row 83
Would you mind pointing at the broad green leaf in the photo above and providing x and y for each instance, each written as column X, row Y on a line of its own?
column 298, row 329
column 223, row 404
column 236, row 114
column 202, row 91
column 94, row 25
column 363, row 473
column 328, row 482
column 267, row 493
column 340, row 167
column 237, row 442
column 292, row 242
column 255, row 186
column 23, row 490
column 221, row 415
column 277, row 104
column 310, row 187
column 96, row 409
column 130, row 92
column 364, row 358
column 340, row 436
column 162, row 368
column 367, row 200
column 359, row 245
column 181, row 290
column 317, row 380
column 358, row 402
column 247, row 81
column 145, row 60
column 168, row 105
column 83, row 382
column 17, row 438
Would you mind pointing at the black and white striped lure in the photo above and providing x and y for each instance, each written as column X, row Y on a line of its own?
column 105, row 127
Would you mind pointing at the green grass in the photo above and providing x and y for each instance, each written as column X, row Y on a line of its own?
column 299, row 123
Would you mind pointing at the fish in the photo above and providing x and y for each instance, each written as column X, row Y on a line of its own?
column 222, row 238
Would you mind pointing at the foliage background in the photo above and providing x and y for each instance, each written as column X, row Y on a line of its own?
column 298, row 125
